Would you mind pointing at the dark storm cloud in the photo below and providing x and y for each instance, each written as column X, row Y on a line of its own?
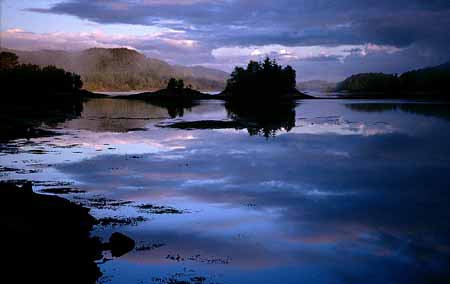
column 287, row 22
column 346, row 36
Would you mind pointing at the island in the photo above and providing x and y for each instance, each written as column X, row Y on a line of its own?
column 262, row 81
column 260, row 98
column 258, row 82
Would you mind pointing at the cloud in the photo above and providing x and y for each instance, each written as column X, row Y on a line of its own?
column 171, row 41
column 331, row 38
column 70, row 40
column 302, row 52
column 285, row 22
column 177, row 2
column 20, row 39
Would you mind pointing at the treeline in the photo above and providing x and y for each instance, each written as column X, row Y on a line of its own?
column 121, row 81
column 261, row 80
column 28, row 79
column 128, row 81
column 432, row 80
column 369, row 82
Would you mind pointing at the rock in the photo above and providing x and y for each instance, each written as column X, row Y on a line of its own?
column 120, row 244
column 46, row 237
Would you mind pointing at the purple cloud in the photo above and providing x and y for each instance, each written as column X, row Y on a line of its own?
column 402, row 34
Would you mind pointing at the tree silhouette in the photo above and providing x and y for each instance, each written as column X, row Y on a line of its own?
column 8, row 60
column 266, row 119
column 175, row 84
column 433, row 79
column 369, row 82
column 265, row 80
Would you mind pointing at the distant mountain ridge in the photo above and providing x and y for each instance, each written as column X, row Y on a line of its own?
column 121, row 69
column 316, row 85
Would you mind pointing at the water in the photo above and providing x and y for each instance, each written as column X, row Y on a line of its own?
column 127, row 93
column 124, row 93
column 356, row 192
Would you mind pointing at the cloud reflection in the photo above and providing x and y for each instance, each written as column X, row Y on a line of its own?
column 348, row 205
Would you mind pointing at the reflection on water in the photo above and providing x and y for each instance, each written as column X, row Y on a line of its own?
column 125, row 115
column 264, row 119
column 175, row 108
column 342, row 194
column 441, row 110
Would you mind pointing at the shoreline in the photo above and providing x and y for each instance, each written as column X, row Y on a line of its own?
column 220, row 95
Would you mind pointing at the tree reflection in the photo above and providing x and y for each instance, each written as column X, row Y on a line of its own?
column 175, row 108
column 265, row 119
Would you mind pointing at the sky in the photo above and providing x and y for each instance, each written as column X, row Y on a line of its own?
column 321, row 39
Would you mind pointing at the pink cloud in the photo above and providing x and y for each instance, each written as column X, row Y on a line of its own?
column 24, row 40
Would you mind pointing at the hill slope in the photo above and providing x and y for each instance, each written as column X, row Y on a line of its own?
column 432, row 79
column 121, row 69
column 426, row 80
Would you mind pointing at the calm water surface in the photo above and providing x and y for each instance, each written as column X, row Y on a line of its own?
column 356, row 192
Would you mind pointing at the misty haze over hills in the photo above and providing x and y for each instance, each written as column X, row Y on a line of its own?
column 316, row 85
column 121, row 69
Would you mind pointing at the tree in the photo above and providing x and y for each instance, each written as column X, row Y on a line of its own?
column 370, row 82
column 77, row 82
column 180, row 84
column 172, row 84
column 8, row 60
column 261, row 81
column 175, row 84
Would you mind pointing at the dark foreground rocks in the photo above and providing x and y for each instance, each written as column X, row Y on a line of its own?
column 46, row 239
column 119, row 244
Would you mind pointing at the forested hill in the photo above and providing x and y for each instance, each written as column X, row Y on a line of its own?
column 121, row 69
column 427, row 80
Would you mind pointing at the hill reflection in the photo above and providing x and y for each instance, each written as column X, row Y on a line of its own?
column 118, row 115
column 427, row 109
